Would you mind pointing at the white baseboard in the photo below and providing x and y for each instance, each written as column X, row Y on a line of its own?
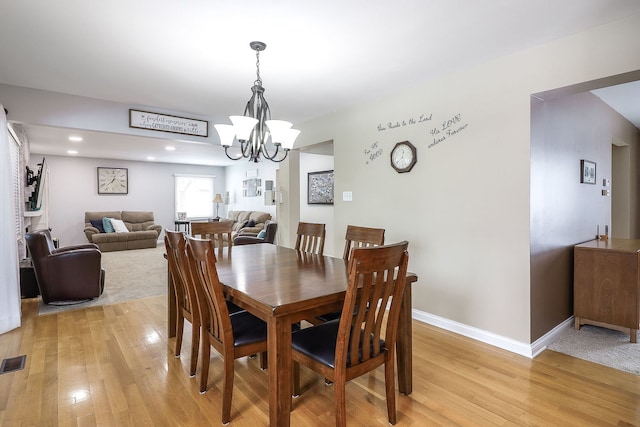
column 523, row 349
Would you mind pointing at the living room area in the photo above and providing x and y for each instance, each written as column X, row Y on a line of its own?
column 152, row 188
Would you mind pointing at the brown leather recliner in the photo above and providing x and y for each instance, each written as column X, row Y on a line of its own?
column 71, row 273
column 270, row 228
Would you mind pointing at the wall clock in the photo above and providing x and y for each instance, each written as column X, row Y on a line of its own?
column 403, row 156
column 113, row 181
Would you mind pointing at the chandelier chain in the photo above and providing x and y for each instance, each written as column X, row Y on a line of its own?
column 258, row 79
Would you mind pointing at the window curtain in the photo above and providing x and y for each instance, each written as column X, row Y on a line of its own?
column 9, row 262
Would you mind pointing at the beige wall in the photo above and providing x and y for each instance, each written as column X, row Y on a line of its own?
column 465, row 206
column 620, row 202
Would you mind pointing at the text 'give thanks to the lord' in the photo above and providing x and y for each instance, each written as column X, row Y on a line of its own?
column 448, row 128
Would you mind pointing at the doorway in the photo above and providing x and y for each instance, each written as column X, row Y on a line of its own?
column 620, row 188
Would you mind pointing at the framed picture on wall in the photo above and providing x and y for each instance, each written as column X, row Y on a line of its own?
column 587, row 172
column 251, row 187
column 320, row 188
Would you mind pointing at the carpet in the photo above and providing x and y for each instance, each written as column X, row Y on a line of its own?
column 600, row 345
column 129, row 275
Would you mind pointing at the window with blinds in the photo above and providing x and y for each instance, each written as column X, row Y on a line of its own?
column 194, row 195
column 18, row 186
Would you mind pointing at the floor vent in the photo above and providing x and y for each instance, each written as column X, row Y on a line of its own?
column 12, row 364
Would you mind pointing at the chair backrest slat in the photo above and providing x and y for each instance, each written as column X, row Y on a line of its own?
column 361, row 237
column 176, row 247
column 214, row 313
column 219, row 232
column 310, row 238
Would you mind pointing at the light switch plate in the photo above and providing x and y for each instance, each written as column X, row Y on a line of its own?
column 347, row 196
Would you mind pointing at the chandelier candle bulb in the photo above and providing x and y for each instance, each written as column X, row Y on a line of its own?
column 244, row 126
column 226, row 133
column 290, row 138
column 278, row 129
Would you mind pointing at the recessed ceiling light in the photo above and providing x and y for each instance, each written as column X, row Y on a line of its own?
column 75, row 138
column 72, row 152
column 170, row 148
column 151, row 158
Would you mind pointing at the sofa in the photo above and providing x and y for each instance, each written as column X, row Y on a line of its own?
column 142, row 230
column 247, row 222
column 268, row 235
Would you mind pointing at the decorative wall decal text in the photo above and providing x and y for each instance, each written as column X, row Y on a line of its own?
column 399, row 123
column 372, row 153
column 449, row 128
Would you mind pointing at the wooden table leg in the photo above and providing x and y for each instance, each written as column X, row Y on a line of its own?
column 279, row 356
column 404, row 344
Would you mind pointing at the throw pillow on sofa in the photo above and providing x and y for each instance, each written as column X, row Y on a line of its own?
column 118, row 225
column 106, row 224
column 261, row 234
column 238, row 225
column 97, row 223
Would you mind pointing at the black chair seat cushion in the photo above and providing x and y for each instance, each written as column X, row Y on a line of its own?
column 233, row 309
column 328, row 317
column 319, row 342
column 247, row 329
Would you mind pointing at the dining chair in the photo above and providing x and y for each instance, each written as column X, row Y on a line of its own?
column 355, row 237
column 361, row 237
column 219, row 232
column 239, row 335
column 347, row 348
column 186, row 299
column 310, row 238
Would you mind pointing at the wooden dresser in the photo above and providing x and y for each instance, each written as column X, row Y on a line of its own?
column 606, row 284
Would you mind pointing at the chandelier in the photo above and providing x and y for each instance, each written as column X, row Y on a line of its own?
column 255, row 128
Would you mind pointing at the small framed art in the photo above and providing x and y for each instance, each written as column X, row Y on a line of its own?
column 587, row 172
column 320, row 188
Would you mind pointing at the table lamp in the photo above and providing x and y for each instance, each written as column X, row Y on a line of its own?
column 217, row 200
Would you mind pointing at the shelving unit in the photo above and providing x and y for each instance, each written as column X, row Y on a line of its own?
column 36, row 215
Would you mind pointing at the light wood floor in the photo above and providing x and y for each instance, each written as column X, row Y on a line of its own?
column 113, row 366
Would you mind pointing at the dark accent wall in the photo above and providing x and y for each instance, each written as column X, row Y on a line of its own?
column 565, row 212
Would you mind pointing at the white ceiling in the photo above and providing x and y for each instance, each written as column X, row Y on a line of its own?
column 624, row 98
column 193, row 56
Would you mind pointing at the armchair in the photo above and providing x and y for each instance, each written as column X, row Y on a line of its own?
column 270, row 229
column 67, row 274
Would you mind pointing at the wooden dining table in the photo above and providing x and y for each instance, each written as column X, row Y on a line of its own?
column 283, row 286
